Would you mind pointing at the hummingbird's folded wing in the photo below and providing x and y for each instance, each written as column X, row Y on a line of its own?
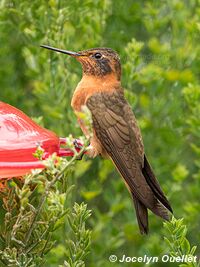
column 116, row 128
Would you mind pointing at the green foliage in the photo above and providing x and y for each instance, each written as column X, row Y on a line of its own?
column 34, row 209
column 158, row 42
column 178, row 243
column 79, row 247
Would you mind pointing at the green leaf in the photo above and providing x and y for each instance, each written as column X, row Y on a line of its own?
column 185, row 246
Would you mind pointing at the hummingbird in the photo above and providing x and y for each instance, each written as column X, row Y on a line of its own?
column 115, row 132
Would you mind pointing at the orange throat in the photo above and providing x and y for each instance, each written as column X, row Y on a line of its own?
column 90, row 85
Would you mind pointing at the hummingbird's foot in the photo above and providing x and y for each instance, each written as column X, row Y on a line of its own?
column 91, row 151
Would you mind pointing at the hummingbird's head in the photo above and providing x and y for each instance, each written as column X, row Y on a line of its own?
column 100, row 62
column 96, row 61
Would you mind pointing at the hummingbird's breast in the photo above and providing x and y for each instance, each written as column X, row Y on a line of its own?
column 90, row 85
column 87, row 87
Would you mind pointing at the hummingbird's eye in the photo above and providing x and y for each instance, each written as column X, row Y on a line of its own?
column 97, row 55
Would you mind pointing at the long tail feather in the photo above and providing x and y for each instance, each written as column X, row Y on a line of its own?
column 142, row 215
column 153, row 183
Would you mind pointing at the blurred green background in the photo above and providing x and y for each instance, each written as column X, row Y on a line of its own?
column 158, row 42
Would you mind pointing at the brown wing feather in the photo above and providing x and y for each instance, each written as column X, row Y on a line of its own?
column 117, row 130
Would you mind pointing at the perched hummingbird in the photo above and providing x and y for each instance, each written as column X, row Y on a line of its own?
column 115, row 131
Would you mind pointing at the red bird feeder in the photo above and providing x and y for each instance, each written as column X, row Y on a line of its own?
column 19, row 138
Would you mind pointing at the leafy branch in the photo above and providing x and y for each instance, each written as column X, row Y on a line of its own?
column 79, row 246
column 178, row 243
column 34, row 208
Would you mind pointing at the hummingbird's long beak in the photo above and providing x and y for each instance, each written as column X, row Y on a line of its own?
column 61, row 51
